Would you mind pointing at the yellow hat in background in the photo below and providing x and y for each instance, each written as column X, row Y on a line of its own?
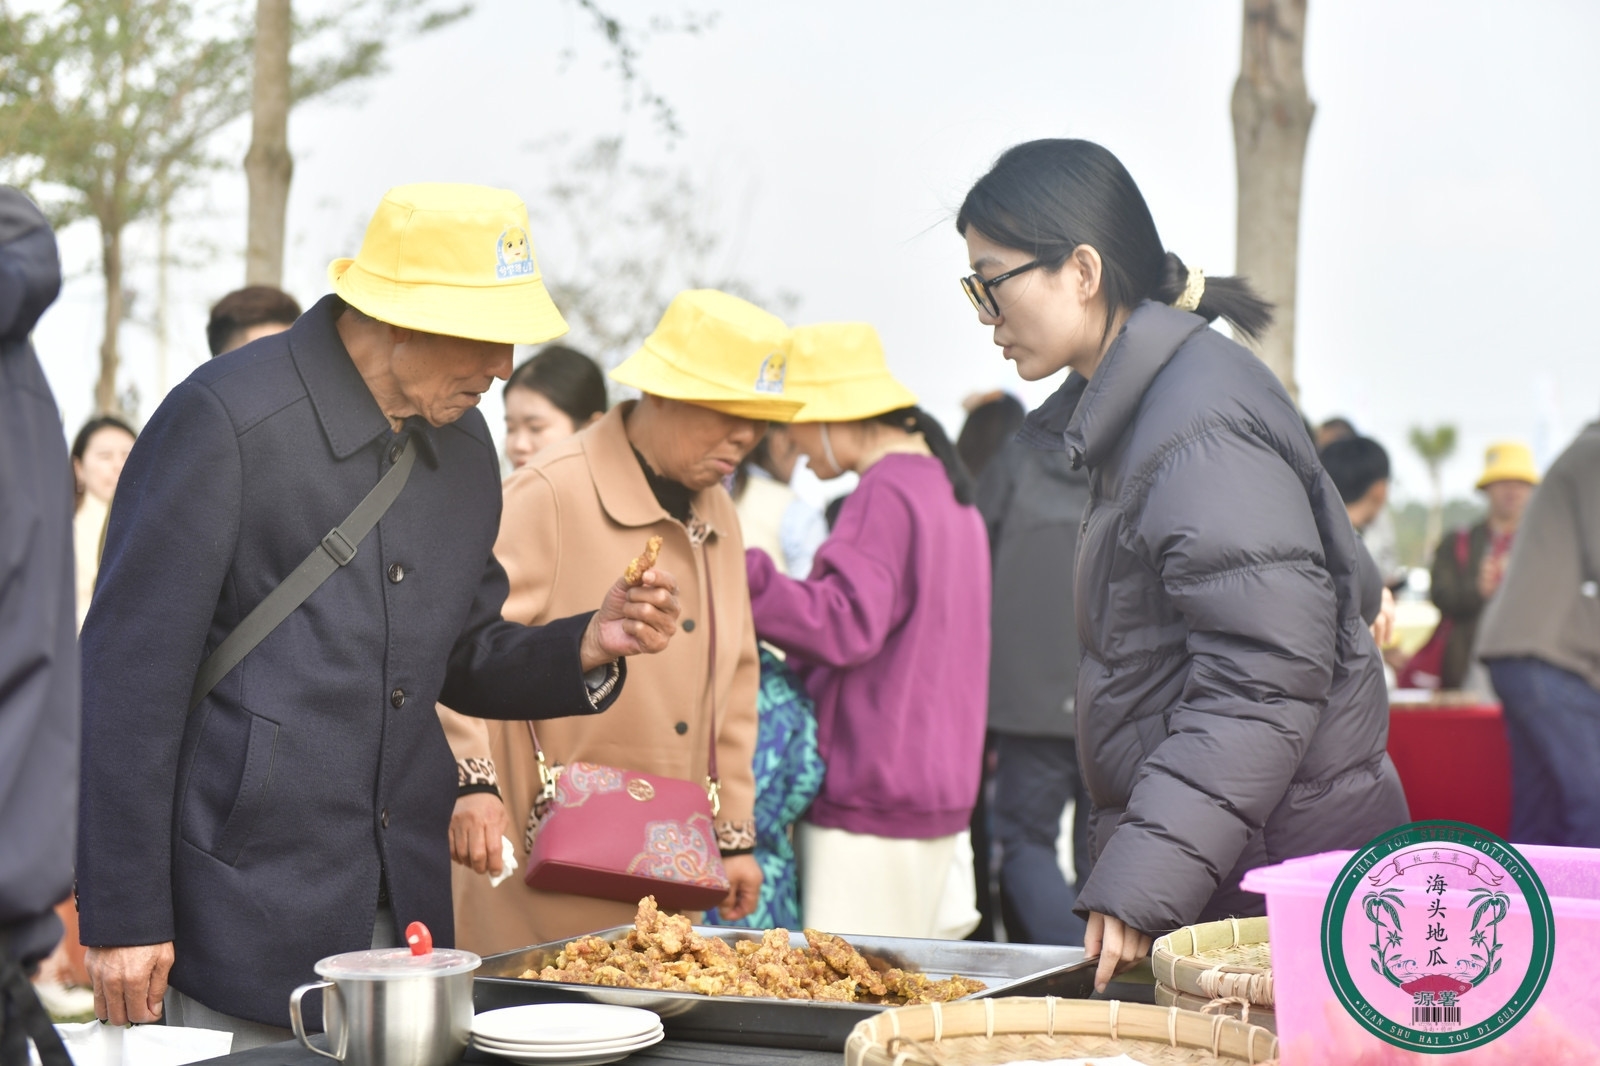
column 839, row 370
column 1508, row 460
column 716, row 351
column 454, row 260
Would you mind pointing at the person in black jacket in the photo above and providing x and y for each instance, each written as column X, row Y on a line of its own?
column 1231, row 703
column 38, row 637
column 1032, row 502
column 301, row 807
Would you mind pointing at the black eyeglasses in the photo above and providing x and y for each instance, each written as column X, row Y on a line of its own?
column 981, row 292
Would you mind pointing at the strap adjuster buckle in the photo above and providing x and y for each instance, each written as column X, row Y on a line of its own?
column 338, row 548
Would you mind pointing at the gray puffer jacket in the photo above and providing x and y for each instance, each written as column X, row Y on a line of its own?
column 1231, row 703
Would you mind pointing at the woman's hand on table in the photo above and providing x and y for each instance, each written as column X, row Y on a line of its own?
column 1119, row 945
column 632, row 620
column 744, row 887
column 476, row 826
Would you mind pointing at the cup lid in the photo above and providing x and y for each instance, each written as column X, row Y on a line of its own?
column 387, row 964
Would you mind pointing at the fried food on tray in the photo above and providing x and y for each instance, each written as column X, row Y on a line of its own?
column 634, row 575
column 663, row 953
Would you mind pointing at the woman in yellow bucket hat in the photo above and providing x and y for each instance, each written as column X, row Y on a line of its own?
column 891, row 635
column 712, row 375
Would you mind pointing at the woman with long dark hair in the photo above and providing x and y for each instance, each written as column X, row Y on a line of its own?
column 98, row 452
column 1231, row 703
column 549, row 398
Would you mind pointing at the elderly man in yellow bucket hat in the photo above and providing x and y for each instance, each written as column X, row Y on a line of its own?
column 712, row 374
column 264, row 777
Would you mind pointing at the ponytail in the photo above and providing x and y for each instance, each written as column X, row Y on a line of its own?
column 1230, row 298
column 916, row 420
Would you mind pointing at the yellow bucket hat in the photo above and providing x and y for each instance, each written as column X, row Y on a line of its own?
column 1508, row 460
column 839, row 370
column 454, row 260
column 716, row 351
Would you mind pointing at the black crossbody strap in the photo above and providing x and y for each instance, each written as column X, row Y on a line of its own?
column 335, row 551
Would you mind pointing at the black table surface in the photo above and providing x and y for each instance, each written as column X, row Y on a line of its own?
column 666, row 1053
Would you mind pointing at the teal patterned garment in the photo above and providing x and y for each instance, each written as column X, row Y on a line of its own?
column 788, row 774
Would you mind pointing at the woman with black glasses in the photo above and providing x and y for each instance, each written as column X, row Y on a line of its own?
column 1231, row 703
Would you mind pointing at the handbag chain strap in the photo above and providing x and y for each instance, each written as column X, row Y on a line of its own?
column 548, row 775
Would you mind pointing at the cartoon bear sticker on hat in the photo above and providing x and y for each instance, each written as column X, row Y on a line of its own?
column 774, row 369
column 513, row 251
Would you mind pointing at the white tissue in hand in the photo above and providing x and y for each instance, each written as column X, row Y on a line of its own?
column 508, row 862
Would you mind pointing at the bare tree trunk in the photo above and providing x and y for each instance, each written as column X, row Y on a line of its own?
column 1271, row 123
column 268, row 166
column 105, row 390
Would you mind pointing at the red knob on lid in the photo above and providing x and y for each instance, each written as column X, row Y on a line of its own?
column 419, row 938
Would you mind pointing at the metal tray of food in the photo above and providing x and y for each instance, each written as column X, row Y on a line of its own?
column 1008, row 970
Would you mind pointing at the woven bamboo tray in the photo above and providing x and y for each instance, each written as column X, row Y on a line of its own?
column 1234, row 1007
column 989, row 1031
column 1218, row 960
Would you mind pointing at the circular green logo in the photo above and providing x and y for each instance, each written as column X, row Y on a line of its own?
column 1438, row 936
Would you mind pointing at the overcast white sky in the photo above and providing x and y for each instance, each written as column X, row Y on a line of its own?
column 1449, row 225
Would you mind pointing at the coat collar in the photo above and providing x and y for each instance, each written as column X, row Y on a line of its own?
column 1086, row 417
column 620, row 483
column 345, row 407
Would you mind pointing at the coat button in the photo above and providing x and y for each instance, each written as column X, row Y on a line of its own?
column 397, row 698
column 397, row 573
column 682, row 728
column 384, row 818
column 688, row 625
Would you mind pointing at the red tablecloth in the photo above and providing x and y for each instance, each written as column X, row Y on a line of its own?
column 1454, row 762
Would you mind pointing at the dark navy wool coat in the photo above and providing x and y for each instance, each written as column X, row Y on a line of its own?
column 256, row 831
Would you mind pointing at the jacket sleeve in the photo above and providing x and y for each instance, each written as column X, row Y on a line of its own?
column 1453, row 591
column 39, row 722
column 469, row 744
column 844, row 612
column 502, row 666
column 736, row 744
column 168, row 550
column 1227, row 524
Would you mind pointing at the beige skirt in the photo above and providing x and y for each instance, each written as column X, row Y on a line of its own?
column 884, row 886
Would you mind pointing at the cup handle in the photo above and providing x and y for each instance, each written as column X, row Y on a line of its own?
column 298, row 1022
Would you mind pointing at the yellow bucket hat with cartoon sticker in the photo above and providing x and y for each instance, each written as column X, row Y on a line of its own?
column 839, row 370
column 454, row 260
column 718, row 351
column 1508, row 460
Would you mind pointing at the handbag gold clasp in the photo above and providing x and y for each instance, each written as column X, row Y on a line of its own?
column 547, row 779
column 714, row 794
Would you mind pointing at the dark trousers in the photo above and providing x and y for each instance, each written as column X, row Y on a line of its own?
column 1035, row 779
column 1553, row 723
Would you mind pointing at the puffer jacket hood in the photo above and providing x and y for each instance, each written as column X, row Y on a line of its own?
column 1231, row 702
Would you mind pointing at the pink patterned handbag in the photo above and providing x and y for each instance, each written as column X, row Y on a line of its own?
column 617, row 834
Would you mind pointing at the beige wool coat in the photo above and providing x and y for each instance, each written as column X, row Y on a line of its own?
column 573, row 519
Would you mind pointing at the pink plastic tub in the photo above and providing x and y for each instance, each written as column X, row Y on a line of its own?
column 1314, row 1028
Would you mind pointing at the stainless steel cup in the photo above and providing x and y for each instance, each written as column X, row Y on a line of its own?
column 392, row 1008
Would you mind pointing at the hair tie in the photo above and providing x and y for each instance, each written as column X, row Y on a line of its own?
column 1193, row 289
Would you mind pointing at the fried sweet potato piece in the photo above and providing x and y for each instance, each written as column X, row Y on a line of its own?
column 634, row 575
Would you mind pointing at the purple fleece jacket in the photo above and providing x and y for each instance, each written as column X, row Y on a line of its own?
column 891, row 636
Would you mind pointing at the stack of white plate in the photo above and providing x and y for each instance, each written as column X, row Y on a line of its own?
column 565, row 1034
